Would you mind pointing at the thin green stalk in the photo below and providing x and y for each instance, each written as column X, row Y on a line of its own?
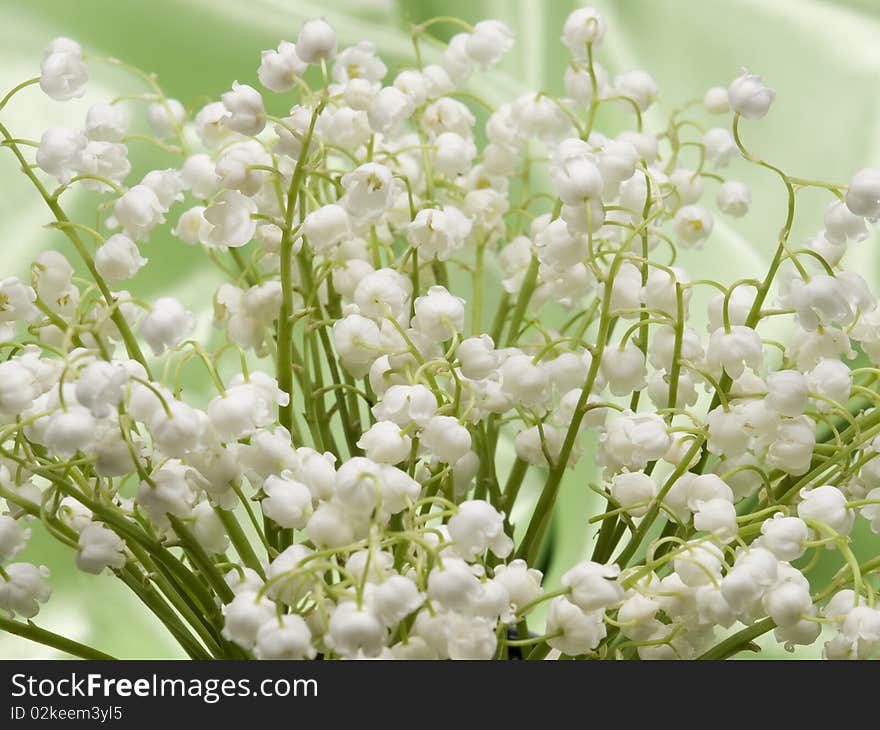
column 128, row 338
column 202, row 560
column 34, row 633
column 285, row 325
column 151, row 598
column 739, row 641
column 522, row 301
column 477, row 313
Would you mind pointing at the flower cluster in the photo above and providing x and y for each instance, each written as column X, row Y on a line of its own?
column 341, row 492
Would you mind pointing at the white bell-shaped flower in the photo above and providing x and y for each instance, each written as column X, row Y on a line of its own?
column 477, row 527
column 166, row 325
column 164, row 116
column 826, row 505
column 63, row 75
column 99, row 548
column 284, row 637
column 316, row 41
column 279, row 69
column 244, row 616
column 863, row 196
column 23, row 588
column 288, row 503
column 634, row 491
column 13, row 538
column 784, row 536
column 574, row 631
column 245, row 111
column 355, row 631
column 593, row 586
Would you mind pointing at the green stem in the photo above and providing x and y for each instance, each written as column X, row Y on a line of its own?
column 239, row 540
column 477, row 315
column 522, row 301
column 285, row 325
column 738, row 641
column 34, row 633
column 131, row 343
column 24, row 84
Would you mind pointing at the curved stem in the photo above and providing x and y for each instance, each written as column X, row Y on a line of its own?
column 128, row 338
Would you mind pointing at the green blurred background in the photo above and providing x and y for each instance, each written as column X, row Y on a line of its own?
column 822, row 56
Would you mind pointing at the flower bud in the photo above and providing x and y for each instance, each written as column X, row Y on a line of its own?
column 733, row 198
column 716, row 100
column 638, row 86
column 749, row 97
column 863, row 196
column 316, row 41
column 489, row 42
column 719, row 145
column 583, row 26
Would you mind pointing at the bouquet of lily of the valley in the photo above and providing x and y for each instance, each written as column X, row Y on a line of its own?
column 353, row 486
